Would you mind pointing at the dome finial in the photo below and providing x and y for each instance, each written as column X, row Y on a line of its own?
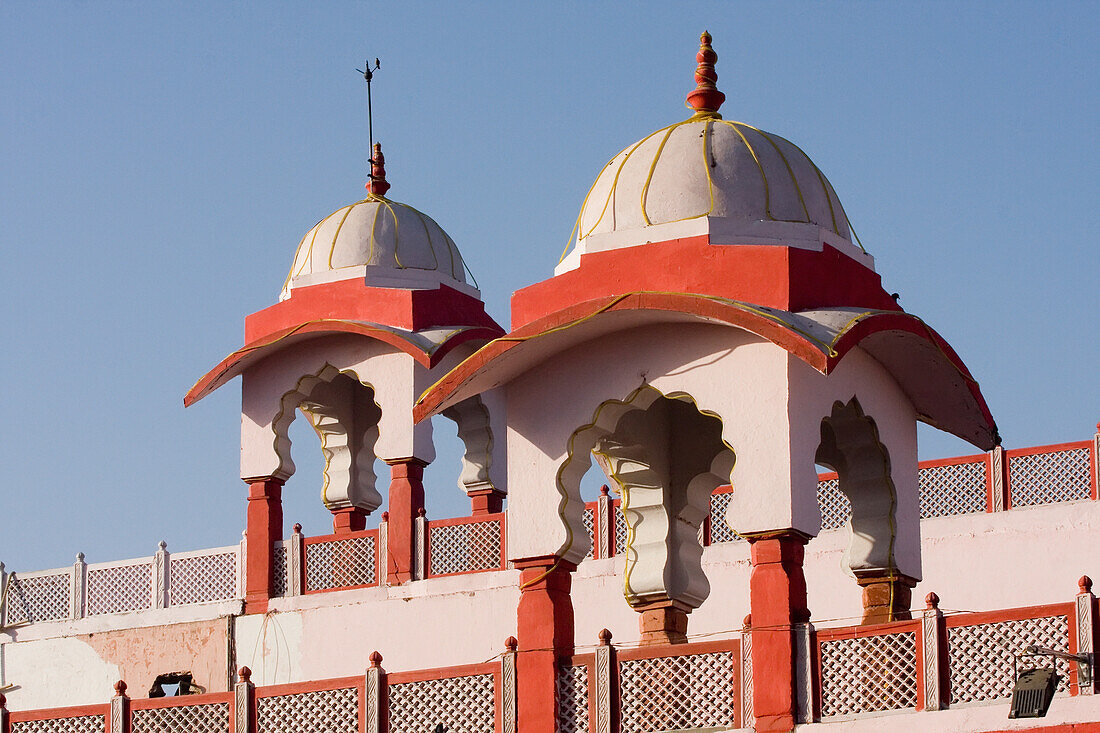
column 705, row 99
column 378, row 184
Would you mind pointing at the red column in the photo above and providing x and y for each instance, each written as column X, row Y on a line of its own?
column 485, row 501
column 406, row 500
column 348, row 520
column 777, row 597
column 545, row 619
column 265, row 527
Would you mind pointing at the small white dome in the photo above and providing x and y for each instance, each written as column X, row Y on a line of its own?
column 390, row 244
column 709, row 167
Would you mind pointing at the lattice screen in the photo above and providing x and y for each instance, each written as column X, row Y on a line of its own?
column 282, row 559
column 326, row 711
column 835, row 507
column 619, row 525
column 39, row 598
column 1046, row 478
column 459, row 548
column 589, row 520
column 208, row 718
column 690, row 691
column 868, row 674
column 80, row 724
column 120, row 588
column 340, row 563
column 572, row 693
column 980, row 656
column 950, row 490
column 202, row 578
column 460, row 704
column 720, row 530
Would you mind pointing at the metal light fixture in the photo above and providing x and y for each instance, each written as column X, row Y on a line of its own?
column 1034, row 688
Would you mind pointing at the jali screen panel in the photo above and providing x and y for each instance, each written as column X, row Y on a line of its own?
column 572, row 693
column 38, row 597
column 79, row 724
column 207, row 718
column 323, row 711
column 673, row 692
column 463, row 548
column 344, row 563
column 868, row 674
column 459, row 704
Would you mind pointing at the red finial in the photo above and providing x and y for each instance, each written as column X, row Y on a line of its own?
column 511, row 643
column 604, row 490
column 1085, row 584
column 377, row 184
column 3, row 701
column 375, row 658
column 120, row 687
column 421, row 512
column 747, row 623
column 385, row 516
column 932, row 600
column 705, row 99
column 297, row 528
column 605, row 637
column 245, row 674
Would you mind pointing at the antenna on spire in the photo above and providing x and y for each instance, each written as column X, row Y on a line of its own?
column 368, row 75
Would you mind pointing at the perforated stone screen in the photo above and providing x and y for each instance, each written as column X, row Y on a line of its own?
column 340, row 563
column 120, row 588
column 950, row 490
column 1047, row 478
column 621, row 530
column 670, row 693
column 980, row 656
column 202, row 578
column 207, row 718
column 461, row 548
column 38, row 598
column 282, row 561
column 572, row 693
column 720, row 530
column 80, row 724
column 868, row 674
column 325, row 711
column 460, row 704
column 589, row 520
column 835, row 507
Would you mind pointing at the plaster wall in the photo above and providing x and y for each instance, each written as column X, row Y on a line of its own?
column 82, row 670
column 440, row 622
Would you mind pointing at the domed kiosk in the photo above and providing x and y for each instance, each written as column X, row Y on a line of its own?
column 375, row 308
column 714, row 324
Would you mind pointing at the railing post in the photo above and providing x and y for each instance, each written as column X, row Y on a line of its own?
column 78, row 587
column 244, row 702
column 242, row 554
column 420, row 538
column 294, row 562
column 746, row 673
column 603, row 524
column 120, row 709
column 383, row 550
column 803, row 672
column 1086, row 636
column 3, row 597
column 162, row 576
column 605, row 669
column 998, row 499
column 507, row 686
column 933, row 653
column 1096, row 463
column 375, row 680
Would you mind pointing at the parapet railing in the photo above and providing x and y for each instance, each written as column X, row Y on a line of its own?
column 996, row 481
column 935, row 661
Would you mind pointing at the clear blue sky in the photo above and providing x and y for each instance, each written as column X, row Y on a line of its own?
column 160, row 161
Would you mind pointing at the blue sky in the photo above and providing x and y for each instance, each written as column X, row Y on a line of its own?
column 160, row 161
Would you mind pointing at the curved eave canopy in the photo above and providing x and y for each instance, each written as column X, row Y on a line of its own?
column 927, row 369
column 427, row 347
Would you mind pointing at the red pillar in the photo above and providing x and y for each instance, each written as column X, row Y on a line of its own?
column 485, row 501
column 265, row 527
column 545, row 619
column 406, row 500
column 777, row 597
column 348, row 520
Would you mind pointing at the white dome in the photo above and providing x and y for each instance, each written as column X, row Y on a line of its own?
column 707, row 174
column 390, row 244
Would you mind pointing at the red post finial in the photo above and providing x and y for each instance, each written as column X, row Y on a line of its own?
column 605, row 637
column 297, row 528
column 245, row 674
column 375, row 659
column 120, row 688
column 604, row 490
column 511, row 643
column 705, row 99
column 1085, row 584
column 377, row 184
column 932, row 600
column 3, row 701
column 747, row 622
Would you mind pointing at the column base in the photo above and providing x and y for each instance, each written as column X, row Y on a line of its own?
column 485, row 501
column 886, row 597
column 352, row 519
column 662, row 623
